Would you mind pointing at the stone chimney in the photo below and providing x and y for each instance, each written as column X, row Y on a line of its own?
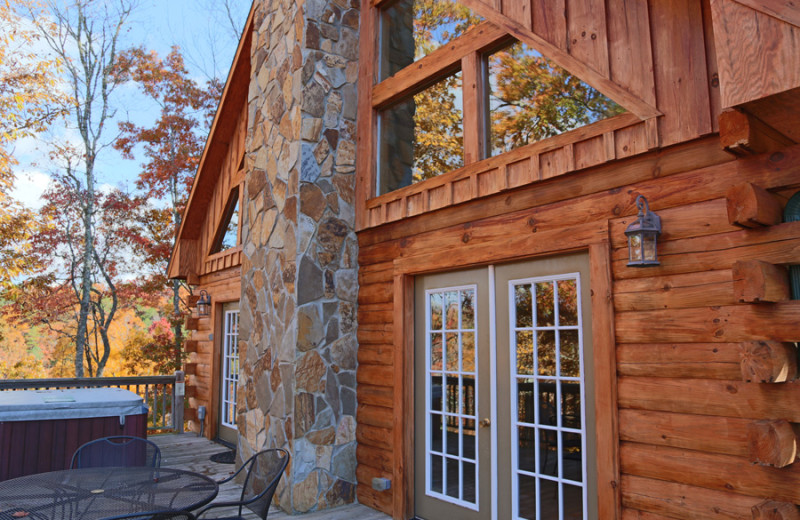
column 299, row 269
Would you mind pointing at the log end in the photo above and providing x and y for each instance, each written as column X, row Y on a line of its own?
column 772, row 443
column 768, row 361
column 773, row 510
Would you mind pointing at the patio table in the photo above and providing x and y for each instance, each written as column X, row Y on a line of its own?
column 104, row 493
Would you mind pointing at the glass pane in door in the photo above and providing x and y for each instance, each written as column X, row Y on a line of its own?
column 451, row 411
column 230, row 368
column 549, row 439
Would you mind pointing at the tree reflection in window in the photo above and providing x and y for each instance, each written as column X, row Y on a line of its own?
column 412, row 29
column 423, row 136
column 228, row 232
column 543, row 315
column 531, row 98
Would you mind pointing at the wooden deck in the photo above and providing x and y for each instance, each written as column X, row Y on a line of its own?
column 187, row 451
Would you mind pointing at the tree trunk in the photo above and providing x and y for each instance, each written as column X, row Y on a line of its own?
column 81, row 340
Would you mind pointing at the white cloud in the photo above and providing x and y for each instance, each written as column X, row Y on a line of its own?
column 29, row 187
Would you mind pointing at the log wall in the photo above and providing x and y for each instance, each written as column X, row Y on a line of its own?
column 204, row 349
column 684, row 408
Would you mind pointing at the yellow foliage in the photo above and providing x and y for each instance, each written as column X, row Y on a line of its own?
column 16, row 358
column 124, row 331
column 29, row 94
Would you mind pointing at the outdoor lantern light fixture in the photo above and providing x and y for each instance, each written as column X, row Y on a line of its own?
column 643, row 236
column 204, row 304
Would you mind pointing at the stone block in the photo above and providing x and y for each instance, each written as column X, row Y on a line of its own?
column 346, row 431
column 341, row 493
column 310, row 276
column 310, row 373
column 304, row 494
column 322, row 437
column 343, row 353
column 309, row 167
column 343, row 463
column 323, row 456
column 304, row 415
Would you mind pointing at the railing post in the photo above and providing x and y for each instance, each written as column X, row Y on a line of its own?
column 178, row 393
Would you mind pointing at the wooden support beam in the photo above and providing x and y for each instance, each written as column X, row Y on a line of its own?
column 191, row 369
column 474, row 131
column 742, row 134
column 772, row 443
column 192, row 278
column 190, row 346
column 439, row 64
column 192, row 299
column 773, row 510
column 752, row 206
column 192, row 324
column 768, row 361
column 755, row 281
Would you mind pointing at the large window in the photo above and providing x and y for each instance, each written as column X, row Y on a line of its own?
column 412, row 29
column 515, row 96
column 422, row 136
column 531, row 99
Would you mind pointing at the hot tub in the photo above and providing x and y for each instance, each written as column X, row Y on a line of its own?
column 41, row 429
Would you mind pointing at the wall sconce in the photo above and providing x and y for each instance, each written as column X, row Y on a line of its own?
column 643, row 236
column 204, row 304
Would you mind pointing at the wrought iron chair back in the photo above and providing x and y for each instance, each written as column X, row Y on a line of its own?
column 173, row 515
column 264, row 471
column 121, row 450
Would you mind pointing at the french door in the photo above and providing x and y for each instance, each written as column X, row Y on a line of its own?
column 503, row 422
column 229, row 373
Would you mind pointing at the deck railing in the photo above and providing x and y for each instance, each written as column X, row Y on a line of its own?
column 163, row 395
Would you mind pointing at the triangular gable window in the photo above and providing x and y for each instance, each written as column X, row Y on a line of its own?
column 227, row 235
column 531, row 98
column 527, row 97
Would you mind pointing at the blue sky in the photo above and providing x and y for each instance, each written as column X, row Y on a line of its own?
column 199, row 27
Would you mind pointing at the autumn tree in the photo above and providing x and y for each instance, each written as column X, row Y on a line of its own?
column 51, row 296
column 172, row 148
column 84, row 35
column 16, row 358
column 30, row 100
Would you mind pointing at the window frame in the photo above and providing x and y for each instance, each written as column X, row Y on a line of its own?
column 467, row 53
column 234, row 199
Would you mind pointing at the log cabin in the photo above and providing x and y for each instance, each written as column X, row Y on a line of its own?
column 446, row 307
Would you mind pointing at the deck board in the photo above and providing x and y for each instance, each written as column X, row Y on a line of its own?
column 187, row 451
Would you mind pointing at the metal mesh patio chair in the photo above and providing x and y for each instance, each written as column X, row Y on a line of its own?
column 163, row 515
column 173, row 515
column 119, row 450
column 264, row 470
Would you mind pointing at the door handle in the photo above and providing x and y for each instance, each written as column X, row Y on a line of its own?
column 485, row 422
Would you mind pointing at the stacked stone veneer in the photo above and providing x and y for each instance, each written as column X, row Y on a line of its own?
column 299, row 277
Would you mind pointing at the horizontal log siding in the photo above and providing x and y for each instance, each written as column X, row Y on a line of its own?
column 684, row 410
column 203, row 385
